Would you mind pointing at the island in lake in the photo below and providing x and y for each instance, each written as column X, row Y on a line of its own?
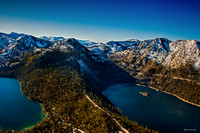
column 146, row 94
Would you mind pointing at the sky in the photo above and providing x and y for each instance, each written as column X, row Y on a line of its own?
column 103, row 20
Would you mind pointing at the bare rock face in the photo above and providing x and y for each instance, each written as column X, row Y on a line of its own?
column 156, row 49
column 183, row 52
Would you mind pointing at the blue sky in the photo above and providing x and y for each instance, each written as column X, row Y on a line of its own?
column 102, row 20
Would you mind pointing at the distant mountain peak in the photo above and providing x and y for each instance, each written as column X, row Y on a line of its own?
column 135, row 40
column 52, row 39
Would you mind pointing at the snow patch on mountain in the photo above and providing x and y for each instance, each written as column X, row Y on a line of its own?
column 15, row 46
column 6, row 39
column 52, row 39
column 83, row 65
column 183, row 52
column 97, row 48
column 117, row 46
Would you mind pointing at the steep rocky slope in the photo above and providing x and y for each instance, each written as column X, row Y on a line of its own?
column 17, row 46
column 138, row 53
column 156, row 49
column 183, row 52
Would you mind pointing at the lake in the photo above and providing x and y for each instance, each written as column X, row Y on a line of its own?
column 160, row 111
column 17, row 112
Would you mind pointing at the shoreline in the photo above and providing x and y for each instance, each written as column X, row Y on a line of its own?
column 44, row 113
column 141, row 85
column 172, row 95
column 181, row 99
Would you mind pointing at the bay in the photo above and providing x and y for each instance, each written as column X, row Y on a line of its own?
column 17, row 112
column 160, row 111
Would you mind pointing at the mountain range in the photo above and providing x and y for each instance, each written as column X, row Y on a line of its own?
column 17, row 47
column 137, row 53
column 49, row 65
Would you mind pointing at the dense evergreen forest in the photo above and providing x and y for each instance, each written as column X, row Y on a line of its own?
column 183, row 81
column 59, row 86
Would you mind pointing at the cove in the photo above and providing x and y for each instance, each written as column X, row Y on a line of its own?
column 162, row 112
column 17, row 112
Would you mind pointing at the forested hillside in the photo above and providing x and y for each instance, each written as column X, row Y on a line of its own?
column 58, row 84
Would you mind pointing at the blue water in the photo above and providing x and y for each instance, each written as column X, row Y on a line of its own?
column 17, row 111
column 160, row 111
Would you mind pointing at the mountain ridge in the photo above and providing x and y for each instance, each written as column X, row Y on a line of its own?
column 159, row 49
column 44, row 66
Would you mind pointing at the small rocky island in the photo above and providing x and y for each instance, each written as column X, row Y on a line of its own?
column 146, row 94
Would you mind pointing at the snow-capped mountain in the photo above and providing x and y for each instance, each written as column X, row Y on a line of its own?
column 109, row 47
column 6, row 39
column 161, row 50
column 53, row 39
column 97, row 48
column 131, row 53
column 156, row 49
column 117, row 46
column 141, row 52
column 18, row 45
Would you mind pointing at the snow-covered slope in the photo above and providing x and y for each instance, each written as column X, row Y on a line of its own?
column 161, row 50
column 6, row 39
column 109, row 47
column 183, row 52
column 53, row 39
column 117, row 46
column 156, row 49
column 97, row 48
column 140, row 52
column 15, row 46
